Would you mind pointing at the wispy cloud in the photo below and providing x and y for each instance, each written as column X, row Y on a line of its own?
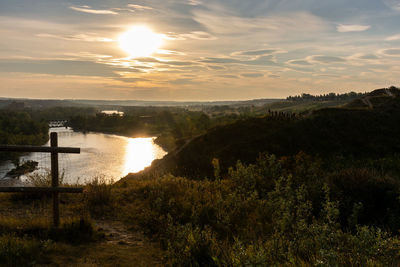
column 363, row 56
column 294, row 22
column 195, row 35
column 393, row 4
column 60, row 67
column 139, row 7
column 392, row 52
column 76, row 37
column 326, row 59
column 261, row 61
column 229, row 76
column 300, row 62
column 195, row 2
column 256, row 52
column 252, row 75
column 393, row 37
column 87, row 9
column 352, row 28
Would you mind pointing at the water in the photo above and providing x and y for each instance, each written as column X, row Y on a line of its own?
column 110, row 156
column 112, row 112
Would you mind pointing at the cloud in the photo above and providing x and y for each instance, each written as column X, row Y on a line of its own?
column 131, row 80
column 262, row 61
column 393, row 4
column 216, row 67
column 273, row 76
column 229, row 76
column 392, row 52
column 255, row 52
column 352, row 28
column 181, row 81
column 326, row 59
column 155, row 60
column 195, row 35
column 252, row 75
column 60, row 67
column 368, row 56
column 87, row 9
column 139, row 7
column 199, row 35
column 195, row 2
column 363, row 56
column 296, row 23
column 301, row 62
column 393, row 37
column 76, row 37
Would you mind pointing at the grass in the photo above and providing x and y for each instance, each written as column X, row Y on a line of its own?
column 27, row 237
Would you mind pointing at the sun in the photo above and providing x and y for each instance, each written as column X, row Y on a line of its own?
column 140, row 41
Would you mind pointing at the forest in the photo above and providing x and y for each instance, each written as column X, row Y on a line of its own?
column 19, row 128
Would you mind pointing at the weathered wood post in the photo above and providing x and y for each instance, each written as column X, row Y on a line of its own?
column 54, row 178
column 55, row 189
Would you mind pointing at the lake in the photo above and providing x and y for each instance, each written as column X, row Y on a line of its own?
column 107, row 155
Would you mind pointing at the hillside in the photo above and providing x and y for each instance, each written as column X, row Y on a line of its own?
column 351, row 131
column 377, row 99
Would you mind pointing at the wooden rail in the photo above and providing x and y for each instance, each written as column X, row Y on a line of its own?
column 37, row 189
column 54, row 149
column 45, row 149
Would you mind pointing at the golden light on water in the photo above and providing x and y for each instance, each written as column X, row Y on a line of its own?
column 140, row 41
column 140, row 152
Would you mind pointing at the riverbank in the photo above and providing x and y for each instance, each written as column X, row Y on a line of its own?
column 108, row 155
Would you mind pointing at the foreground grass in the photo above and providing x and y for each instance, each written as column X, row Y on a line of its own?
column 88, row 235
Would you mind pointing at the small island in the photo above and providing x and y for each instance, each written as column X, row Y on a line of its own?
column 24, row 168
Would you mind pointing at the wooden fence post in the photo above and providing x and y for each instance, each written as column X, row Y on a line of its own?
column 55, row 189
column 54, row 178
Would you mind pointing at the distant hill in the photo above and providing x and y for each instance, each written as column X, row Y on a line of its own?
column 36, row 103
column 43, row 103
column 376, row 99
column 354, row 130
column 256, row 102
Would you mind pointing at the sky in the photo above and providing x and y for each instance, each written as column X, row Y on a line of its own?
column 211, row 49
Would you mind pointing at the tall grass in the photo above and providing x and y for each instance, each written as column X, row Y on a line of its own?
column 22, row 251
column 98, row 195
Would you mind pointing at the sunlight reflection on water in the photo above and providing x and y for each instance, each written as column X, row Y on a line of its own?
column 140, row 152
column 110, row 156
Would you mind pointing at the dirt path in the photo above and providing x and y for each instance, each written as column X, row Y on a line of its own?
column 367, row 102
column 120, row 247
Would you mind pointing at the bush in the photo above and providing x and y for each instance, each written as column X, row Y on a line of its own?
column 276, row 212
column 366, row 197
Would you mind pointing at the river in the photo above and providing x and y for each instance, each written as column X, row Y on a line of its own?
column 106, row 155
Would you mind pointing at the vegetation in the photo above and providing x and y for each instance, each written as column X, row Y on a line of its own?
column 341, row 136
column 321, row 189
column 85, row 236
column 326, row 97
column 17, row 128
column 276, row 212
